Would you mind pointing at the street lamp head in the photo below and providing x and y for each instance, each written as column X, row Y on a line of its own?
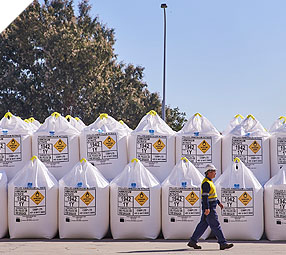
column 163, row 6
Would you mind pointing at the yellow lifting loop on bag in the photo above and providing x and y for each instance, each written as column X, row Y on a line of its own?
column 33, row 158
column 250, row 116
column 8, row 115
column 135, row 159
column 152, row 112
column 121, row 122
column 236, row 160
column 197, row 114
column 55, row 114
column 284, row 119
column 68, row 117
column 31, row 119
column 27, row 120
column 83, row 159
column 103, row 115
column 184, row 159
column 77, row 118
column 238, row 115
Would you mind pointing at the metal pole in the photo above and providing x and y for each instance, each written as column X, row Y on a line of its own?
column 164, row 6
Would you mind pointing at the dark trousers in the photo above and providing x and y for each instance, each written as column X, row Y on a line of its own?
column 209, row 220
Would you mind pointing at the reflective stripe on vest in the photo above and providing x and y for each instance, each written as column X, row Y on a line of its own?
column 212, row 194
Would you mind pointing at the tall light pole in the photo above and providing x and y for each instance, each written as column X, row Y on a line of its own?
column 164, row 6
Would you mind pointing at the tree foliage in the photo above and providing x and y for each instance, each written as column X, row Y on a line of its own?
column 54, row 60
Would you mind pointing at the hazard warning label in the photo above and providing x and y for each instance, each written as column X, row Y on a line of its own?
column 79, row 202
column 109, row 142
column 280, row 204
column 10, row 149
column 53, row 149
column 281, row 150
column 60, row 145
column 13, row 145
column 141, row 198
column 248, row 149
column 38, row 197
column 151, row 149
column 237, row 202
column 29, row 203
column 87, row 198
column 133, row 203
column 197, row 149
column 184, row 202
column 102, row 147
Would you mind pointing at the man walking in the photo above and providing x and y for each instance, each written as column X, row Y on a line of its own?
column 209, row 215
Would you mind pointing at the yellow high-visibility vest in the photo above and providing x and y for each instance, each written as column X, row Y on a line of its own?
column 212, row 194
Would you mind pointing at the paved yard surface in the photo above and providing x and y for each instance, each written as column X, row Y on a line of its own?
column 133, row 247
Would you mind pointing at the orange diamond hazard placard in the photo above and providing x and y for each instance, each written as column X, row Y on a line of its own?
column 109, row 142
column 204, row 146
column 245, row 198
column 192, row 198
column 255, row 147
column 141, row 198
column 13, row 145
column 87, row 198
column 159, row 145
column 60, row 145
column 37, row 197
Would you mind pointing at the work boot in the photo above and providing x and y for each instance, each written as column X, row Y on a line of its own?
column 225, row 246
column 194, row 245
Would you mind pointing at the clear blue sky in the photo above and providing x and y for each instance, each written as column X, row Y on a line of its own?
column 223, row 57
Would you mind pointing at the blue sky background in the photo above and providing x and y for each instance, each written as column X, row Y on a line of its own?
column 223, row 57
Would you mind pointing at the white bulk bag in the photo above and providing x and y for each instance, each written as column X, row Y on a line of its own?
column 278, row 145
column 104, row 144
column 153, row 143
column 76, row 122
column 33, row 202
column 56, row 144
column 15, row 144
column 248, row 141
column 237, row 119
column 128, row 129
column 277, row 124
column 242, row 197
column 135, row 203
column 83, row 203
column 181, row 201
column 3, row 204
column 200, row 142
column 275, row 206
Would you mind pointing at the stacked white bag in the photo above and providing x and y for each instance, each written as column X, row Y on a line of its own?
column 237, row 119
column 153, row 143
column 76, row 122
column 33, row 202
column 200, row 142
column 248, row 141
column 278, row 145
column 242, row 197
column 15, row 144
column 83, row 203
column 35, row 122
column 104, row 144
column 135, row 203
column 275, row 206
column 128, row 129
column 181, row 201
column 56, row 144
column 3, row 205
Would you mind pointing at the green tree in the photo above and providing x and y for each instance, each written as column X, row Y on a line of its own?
column 54, row 60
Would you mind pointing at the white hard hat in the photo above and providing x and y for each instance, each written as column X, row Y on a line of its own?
column 210, row 167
